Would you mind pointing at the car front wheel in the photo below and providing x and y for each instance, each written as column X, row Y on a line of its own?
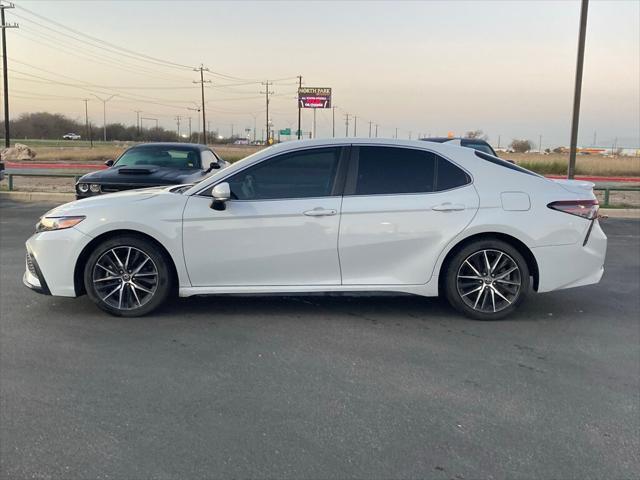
column 127, row 276
column 487, row 280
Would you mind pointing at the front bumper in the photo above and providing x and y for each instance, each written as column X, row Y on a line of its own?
column 568, row 266
column 33, row 277
column 53, row 256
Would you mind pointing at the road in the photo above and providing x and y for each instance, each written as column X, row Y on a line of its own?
column 320, row 387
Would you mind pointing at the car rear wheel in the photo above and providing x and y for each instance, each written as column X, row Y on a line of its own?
column 487, row 280
column 127, row 276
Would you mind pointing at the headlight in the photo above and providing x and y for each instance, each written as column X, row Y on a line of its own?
column 83, row 187
column 95, row 188
column 57, row 223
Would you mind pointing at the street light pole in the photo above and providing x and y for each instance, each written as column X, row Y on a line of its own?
column 104, row 114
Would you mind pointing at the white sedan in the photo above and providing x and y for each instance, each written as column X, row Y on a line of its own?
column 340, row 215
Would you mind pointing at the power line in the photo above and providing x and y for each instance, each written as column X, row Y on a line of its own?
column 142, row 56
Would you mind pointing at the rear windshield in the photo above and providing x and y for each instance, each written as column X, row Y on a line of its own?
column 503, row 163
column 171, row 157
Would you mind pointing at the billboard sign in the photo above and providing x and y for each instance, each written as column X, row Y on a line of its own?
column 314, row 97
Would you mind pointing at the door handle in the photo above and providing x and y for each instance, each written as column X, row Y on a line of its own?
column 320, row 212
column 448, row 207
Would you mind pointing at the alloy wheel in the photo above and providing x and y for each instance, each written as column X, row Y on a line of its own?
column 125, row 277
column 489, row 281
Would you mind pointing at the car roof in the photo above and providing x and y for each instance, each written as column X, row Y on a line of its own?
column 448, row 139
column 193, row 146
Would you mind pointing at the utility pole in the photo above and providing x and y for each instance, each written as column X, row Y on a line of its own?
column 577, row 90
column 370, row 129
column 5, row 75
column 409, row 135
column 198, row 117
column 299, row 110
column 594, row 138
column 346, row 123
column 138, row 112
column 540, row 143
column 104, row 114
column 202, row 81
column 333, row 121
column 498, row 141
column 232, row 130
column 376, row 130
column 355, row 126
column 266, row 93
column 86, row 120
column 396, row 136
column 178, row 117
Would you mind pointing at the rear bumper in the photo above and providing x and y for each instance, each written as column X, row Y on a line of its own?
column 567, row 266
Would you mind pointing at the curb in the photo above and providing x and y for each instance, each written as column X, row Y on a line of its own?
column 620, row 212
column 38, row 196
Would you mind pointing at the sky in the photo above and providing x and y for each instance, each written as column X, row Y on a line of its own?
column 422, row 67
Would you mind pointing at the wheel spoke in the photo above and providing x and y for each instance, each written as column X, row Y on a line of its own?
column 495, row 264
column 140, row 287
column 474, row 290
column 494, row 289
column 472, row 267
column 120, row 295
column 503, row 275
column 493, row 299
column 126, row 262
column 106, row 269
column 486, row 261
column 133, row 290
column 479, row 295
column 113, row 252
column 106, row 279
column 470, row 277
column 111, row 293
column 139, row 267
column 148, row 274
column 507, row 282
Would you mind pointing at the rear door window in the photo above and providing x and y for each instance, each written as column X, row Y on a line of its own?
column 396, row 170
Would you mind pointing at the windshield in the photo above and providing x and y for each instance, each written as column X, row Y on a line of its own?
column 171, row 157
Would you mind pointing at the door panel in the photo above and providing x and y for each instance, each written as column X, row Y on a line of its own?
column 268, row 242
column 396, row 239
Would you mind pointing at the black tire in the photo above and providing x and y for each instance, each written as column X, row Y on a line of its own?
column 465, row 276
column 138, row 295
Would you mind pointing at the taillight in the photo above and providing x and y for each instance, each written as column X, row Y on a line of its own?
column 582, row 208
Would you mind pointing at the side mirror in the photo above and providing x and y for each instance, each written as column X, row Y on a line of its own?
column 220, row 193
column 109, row 163
column 212, row 166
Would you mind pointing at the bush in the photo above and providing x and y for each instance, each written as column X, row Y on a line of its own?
column 521, row 146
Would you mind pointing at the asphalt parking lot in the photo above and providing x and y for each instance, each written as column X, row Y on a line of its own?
column 320, row 387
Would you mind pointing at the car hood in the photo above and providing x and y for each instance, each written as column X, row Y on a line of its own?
column 144, row 175
column 132, row 197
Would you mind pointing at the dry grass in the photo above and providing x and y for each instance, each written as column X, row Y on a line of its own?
column 595, row 165
column 102, row 153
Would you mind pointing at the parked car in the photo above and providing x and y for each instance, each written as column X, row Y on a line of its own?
column 151, row 165
column 71, row 136
column 329, row 216
column 475, row 143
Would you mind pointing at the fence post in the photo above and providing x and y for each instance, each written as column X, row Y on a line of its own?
column 606, row 197
column 10, row 182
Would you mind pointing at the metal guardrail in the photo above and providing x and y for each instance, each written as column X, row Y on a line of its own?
column 607, row 190
column 10, row 176
column 607, row 193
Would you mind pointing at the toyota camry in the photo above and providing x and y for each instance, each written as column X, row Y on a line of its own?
column 338, row 215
